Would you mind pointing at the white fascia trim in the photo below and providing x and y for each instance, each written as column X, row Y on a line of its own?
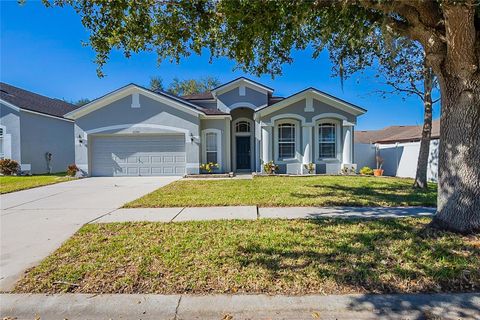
column 239, row 82
column 11, row 106
column 218, row 132
column 139, row 126
column 14, row 107
column 46, row 115
column 216, row 116
column 315, row 95
column 123, row 92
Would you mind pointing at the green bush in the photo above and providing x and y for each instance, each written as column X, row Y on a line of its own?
column 209, row 167
column 366, row 171
column 270, row 167
column 9, row 167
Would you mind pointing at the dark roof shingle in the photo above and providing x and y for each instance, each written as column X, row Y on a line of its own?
column 24, row 99
column 394, row 134
column 198, row 96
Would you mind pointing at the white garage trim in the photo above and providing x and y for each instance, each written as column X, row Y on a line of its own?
column 139, row 126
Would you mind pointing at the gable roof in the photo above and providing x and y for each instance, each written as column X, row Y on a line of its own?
column 234, row 82
column 31, row 101
column 319, row 95
column 394, row 134
column 157, row 95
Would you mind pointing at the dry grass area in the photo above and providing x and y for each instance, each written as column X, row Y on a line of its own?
column 329, row 256
column 291, row 192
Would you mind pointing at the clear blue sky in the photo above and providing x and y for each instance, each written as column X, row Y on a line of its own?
column 41, row 51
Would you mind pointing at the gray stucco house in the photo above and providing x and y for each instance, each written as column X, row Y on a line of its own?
column 239, row 125
column 32, row 125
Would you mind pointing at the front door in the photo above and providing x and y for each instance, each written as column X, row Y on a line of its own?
column 243, row 153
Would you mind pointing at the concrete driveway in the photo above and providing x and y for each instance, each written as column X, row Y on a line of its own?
column 35, row 222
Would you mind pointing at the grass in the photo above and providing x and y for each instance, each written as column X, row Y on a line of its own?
column 291, row 191
column 327, row 256
column 17, row 183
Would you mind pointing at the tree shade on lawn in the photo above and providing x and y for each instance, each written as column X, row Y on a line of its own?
column 327, row 256
column 260, row 35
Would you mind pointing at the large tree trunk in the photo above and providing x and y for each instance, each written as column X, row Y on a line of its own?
column 422, row 163
column 459, row 156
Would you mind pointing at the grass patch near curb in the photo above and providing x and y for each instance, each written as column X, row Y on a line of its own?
column 17, row 183
column 291, row 192
column 326, row 256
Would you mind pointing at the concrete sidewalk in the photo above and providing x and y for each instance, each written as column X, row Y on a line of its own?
column 135, row 306
column 252, row 213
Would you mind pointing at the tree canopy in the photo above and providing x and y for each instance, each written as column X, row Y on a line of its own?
column 261, row 35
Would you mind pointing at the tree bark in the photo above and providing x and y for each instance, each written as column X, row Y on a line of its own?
column 422, row 163
column 458, row 205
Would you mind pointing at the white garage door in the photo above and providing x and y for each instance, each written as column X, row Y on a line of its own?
column 155, row 155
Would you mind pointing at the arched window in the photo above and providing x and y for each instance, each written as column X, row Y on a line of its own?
column 327, row 140
column 242, row 126
column 286, row 141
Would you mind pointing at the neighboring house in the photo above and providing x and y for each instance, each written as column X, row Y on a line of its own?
column 399, row 146
column 31, row 126
column 239, row 125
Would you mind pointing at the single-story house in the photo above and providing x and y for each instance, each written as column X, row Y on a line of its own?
column 134, row 131
column 34, row 131
column 399, row 146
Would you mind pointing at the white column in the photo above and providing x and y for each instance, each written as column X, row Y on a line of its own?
column 266, row 143
column 256, row 140
column 307, row 144
column 347, row 143
column 228, row 142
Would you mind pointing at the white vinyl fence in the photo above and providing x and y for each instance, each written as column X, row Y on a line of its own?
column 400, row 159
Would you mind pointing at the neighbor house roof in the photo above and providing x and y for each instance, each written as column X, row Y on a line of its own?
column 199, row 96
column 27, row 100
column 394, row 134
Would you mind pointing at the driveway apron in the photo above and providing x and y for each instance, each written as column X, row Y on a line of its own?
column 35, row 222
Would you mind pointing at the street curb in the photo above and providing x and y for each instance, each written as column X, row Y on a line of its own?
column 145, row 306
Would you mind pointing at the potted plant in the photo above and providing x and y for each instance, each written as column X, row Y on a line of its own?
column 209, row 166
column 379, row 171
column 270, row 167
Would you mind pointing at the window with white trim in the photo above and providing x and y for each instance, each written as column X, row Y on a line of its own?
column 286, row 141
column 242, row 126
column 327, row 140
column 211, row 147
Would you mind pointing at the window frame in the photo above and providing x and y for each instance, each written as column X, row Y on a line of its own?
column 296, row 140
column 218, row 134
column 337, row 143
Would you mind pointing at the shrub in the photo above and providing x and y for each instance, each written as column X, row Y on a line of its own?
column 72, row 170
column 270, row 167
column 366, row 171
column 209, row 167
column 9, row 167
column 310, row 167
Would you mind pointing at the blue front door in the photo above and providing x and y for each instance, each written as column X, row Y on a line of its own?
column 243, row 153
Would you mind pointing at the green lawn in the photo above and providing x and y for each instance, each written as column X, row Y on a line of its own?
column 17, row 183
column 291, row 191
column 327, row 256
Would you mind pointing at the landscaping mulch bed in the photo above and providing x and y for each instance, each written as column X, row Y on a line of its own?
column 326, row 256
